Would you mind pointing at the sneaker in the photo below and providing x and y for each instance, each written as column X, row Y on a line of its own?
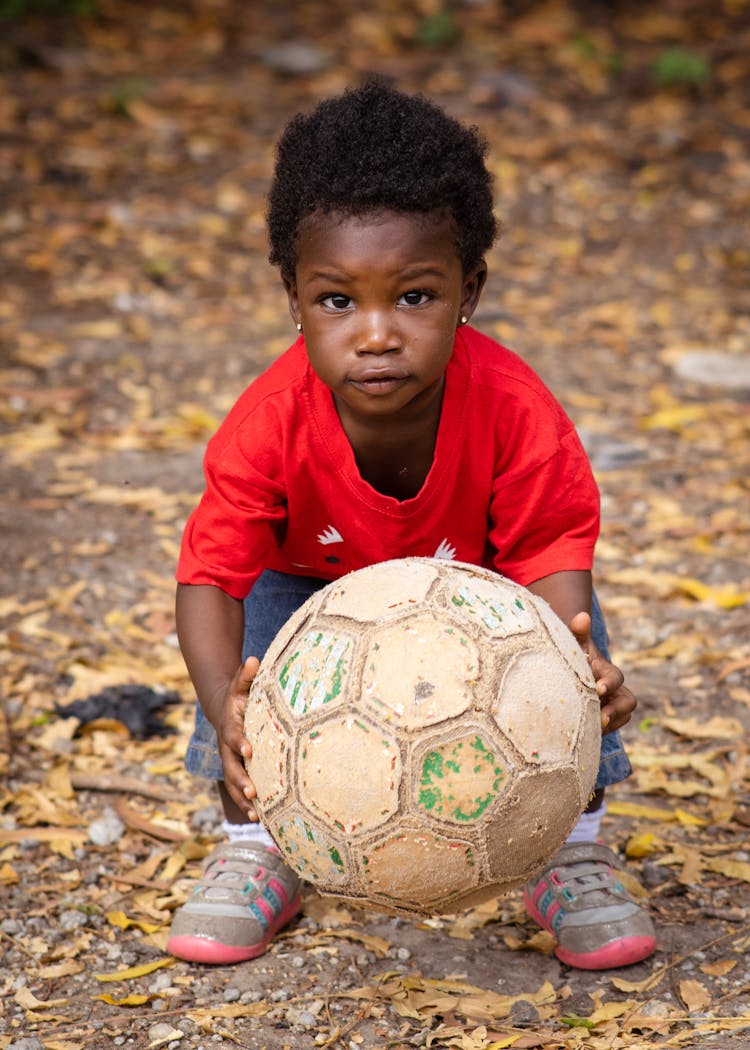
column 245, row 895
column 579, row 899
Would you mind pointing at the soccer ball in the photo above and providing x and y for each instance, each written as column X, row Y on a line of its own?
column 425, row 735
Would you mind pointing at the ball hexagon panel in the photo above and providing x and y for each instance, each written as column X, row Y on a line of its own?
column 369, row 596
column 460, row 779
column 313, row 850
column 313, row 670
column 500, row 614
column 339, row 754
column 565, row 642
column 417, row 867
column 419, row 671
column 539, row 707
column 268, row 767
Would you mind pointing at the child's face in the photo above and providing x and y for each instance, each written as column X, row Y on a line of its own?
column 379, row 297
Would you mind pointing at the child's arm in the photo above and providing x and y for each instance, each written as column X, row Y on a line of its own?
column 569, row 595
column 210, row 626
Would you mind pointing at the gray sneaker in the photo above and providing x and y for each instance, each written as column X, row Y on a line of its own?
column 245, row 895
column 578, row 898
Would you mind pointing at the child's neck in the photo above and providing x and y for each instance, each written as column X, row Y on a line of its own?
column 394, row 455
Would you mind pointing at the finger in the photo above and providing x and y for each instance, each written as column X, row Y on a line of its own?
column 580, row 626
column 238, row 784
column 244, row 677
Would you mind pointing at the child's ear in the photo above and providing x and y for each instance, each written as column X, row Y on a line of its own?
column 290, row 286
column 472, row 289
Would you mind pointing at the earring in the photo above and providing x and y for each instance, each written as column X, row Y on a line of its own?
column 464, row 319
column 299, row 326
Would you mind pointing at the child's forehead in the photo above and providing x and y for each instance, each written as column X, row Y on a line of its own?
column 321, row 228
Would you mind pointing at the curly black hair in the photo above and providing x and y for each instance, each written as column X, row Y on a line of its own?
column 375, row 148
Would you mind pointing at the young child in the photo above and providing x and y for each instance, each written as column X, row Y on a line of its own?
column 388, row 429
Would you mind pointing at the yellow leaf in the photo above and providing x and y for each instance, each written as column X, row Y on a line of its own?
column 66, row 968
column 611, row 1011
column 720, row 968
column 136, row 971
column 732, row 869
column 694, row 995
column 722, row 597
column 643, row 845
column 716, row 728
column 668, row 816
column 26, row 998
column 623, row 985
column 674, row 418
column 130, row 1000
column 121, row 920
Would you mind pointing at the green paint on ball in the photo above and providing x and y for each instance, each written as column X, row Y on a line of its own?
column 437, row 792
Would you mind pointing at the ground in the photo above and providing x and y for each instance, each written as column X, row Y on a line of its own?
column 136, row 145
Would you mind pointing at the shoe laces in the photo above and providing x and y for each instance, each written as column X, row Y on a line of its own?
column 593, row 880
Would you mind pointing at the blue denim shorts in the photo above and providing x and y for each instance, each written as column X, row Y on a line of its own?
column 274, row 598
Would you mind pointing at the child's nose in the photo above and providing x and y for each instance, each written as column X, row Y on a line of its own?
column 378, row 334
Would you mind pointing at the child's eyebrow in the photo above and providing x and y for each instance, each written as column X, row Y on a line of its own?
column 411, row 273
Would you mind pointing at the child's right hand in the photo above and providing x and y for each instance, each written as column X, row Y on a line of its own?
column 234, row 746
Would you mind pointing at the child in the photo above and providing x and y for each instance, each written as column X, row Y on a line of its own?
column 388, row 429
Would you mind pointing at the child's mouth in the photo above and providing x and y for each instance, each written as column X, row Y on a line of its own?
column 379, row 381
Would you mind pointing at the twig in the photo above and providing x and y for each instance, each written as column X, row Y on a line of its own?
column 124, row 785
column 17, row 944
column 136, row 822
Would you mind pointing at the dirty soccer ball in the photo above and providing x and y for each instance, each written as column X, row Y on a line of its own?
column 425, row 735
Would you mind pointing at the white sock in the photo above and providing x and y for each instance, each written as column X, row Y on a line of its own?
column 587, row 828
column 252, row 832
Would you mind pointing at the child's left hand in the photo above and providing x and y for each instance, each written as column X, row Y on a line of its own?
column 618, row 703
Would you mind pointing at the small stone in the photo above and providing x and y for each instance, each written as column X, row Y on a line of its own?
column 294, row 58
column 161, row 1030
column 10, row 926
column 300, row 1018
column 28, row 1043
column 107, row 830
column 231, row 995
column 716, row 368
column 403, row 954
column 298, row 961
column 73, row 920
column 524, row 1012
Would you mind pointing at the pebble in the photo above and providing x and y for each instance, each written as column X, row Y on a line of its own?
column 524, row 1012
column 10, row 926
column 107, row 830
column 300, row 1018
column 73, row 920
column 161, row 1030
column 231, row 995
column 28, row 1043
column 294, row 58
column 715, row 368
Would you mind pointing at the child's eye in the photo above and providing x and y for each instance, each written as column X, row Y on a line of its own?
column 336, row 302
column 415, row 298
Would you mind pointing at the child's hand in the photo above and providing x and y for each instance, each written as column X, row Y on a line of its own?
column 233, row 744
column 617, row 702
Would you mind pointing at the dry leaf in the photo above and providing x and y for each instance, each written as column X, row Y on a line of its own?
column 694, row 995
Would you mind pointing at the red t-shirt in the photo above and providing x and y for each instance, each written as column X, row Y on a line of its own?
column 510, row 486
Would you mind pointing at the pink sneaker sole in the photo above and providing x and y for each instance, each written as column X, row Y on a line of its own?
column 623, row 952
column 204, row 950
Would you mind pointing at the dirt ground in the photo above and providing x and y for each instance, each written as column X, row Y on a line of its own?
column 136, row 142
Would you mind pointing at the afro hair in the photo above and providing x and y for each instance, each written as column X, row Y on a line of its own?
column 375, row 148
